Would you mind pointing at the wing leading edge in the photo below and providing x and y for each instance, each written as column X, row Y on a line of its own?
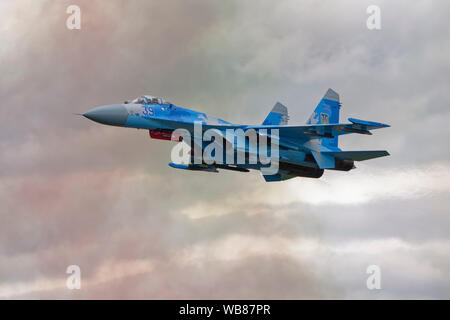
column 325, row 130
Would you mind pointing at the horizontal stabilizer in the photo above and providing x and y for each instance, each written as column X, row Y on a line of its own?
column 369, row 125
column 356, row 155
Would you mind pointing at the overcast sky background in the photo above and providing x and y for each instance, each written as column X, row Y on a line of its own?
column 76, row 192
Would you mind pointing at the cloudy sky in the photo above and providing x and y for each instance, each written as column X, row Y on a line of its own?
column 74, row 192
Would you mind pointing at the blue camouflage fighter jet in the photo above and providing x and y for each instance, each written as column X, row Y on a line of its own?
column 304, row 150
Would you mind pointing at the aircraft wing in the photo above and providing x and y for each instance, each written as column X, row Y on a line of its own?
column 312, row 131
column 288, row 134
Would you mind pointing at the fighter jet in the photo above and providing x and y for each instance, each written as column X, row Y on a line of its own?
column 303, row 150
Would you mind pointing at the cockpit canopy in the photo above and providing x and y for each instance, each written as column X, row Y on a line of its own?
column 147, row 99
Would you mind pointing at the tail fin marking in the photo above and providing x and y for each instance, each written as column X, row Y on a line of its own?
column 327, row 112
column 278, row 115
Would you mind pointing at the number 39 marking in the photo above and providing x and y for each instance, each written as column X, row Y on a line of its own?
column 147, row 111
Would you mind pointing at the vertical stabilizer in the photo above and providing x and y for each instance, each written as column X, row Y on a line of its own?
column 327, row 111
column 278, row 115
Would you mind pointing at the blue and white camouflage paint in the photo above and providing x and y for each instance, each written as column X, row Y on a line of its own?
column 303, row 150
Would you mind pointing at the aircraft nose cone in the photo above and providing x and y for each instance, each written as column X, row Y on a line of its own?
column 114, row 115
